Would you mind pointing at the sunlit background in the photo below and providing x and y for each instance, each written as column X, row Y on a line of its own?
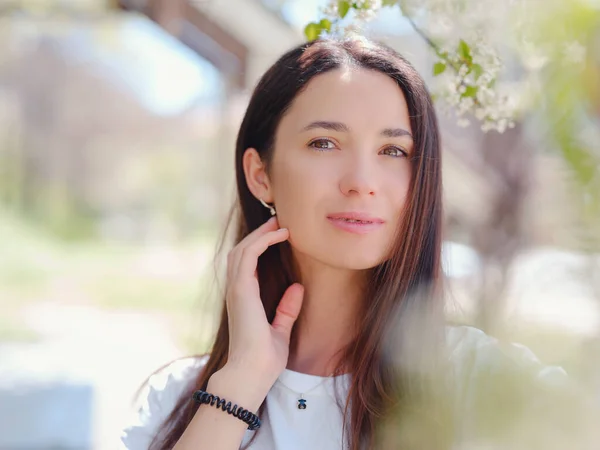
column 116, row 175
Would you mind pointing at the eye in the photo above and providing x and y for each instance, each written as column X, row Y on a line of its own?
column 322, row 144
column 396, row 152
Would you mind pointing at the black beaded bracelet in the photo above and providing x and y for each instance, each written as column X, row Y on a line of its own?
column 243, row 414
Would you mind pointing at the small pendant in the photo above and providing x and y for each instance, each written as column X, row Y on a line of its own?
column 301, row 403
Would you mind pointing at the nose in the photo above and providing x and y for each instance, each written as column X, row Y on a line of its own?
column 359, row 178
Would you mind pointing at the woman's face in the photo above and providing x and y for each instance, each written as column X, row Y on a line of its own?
column 340, row 171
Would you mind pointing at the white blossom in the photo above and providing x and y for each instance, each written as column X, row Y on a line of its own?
column 352, row 28
column 369, row 4
column 365, row 15
column 463, row 123
column 532, row 57
column 487, row 126
column 574, row 52
column 330, row 10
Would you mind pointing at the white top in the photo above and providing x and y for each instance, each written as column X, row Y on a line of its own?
column 285, row 427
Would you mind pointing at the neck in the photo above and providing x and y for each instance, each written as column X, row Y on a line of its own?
column 327, row 319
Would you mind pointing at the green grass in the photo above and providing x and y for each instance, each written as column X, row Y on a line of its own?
column 36, row 266
column 13, row 331
column 123, row 291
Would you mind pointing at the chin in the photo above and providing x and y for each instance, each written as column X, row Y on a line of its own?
column 351, row 258
column 342, row 255
column 359, row 263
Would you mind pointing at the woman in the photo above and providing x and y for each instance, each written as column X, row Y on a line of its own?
column 338, row 169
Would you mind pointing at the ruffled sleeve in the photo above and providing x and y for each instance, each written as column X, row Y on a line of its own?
column 479, row 358
column 505, row 394
column 157, row 400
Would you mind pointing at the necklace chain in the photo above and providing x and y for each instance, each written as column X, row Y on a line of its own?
column 301, row 400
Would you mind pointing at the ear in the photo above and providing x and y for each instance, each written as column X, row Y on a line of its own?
column 256, row 175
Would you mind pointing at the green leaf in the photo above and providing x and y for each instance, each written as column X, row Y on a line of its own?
column 343, row 8
column 470, row 92
column 389, row 2
column 312, row 31
column 325, row 24
column 438, row 68
column 441, row 55
column 477, row 70
column 465, row 51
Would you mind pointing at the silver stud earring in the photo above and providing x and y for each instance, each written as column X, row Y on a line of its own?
column 269, row 207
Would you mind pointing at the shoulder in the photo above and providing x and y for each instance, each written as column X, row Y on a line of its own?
column 472, row 351
column 156, row 400
column 486, row 370
column 500, row 388
column 177, row 373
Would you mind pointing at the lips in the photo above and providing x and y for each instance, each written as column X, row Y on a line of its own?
column 355, row 217
column 355, row 222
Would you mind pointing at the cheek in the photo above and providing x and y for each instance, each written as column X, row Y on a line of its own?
column 304, row 193
column 396, row 188
column 299, row 192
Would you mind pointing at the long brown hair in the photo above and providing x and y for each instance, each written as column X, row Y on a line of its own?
column 414, row 267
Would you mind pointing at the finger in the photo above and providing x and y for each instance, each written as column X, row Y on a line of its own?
column 288, row 310
column 249, row 256
column 268, row 226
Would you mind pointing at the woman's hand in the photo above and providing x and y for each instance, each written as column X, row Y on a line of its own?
column 256, row 346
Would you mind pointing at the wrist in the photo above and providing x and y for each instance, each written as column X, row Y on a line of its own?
column 246, row 389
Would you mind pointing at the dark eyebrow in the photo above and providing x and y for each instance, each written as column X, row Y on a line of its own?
column 333, row 126
column 343, row 128
column 395, row 132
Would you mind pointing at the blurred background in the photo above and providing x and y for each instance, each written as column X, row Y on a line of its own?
column 118, row 121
